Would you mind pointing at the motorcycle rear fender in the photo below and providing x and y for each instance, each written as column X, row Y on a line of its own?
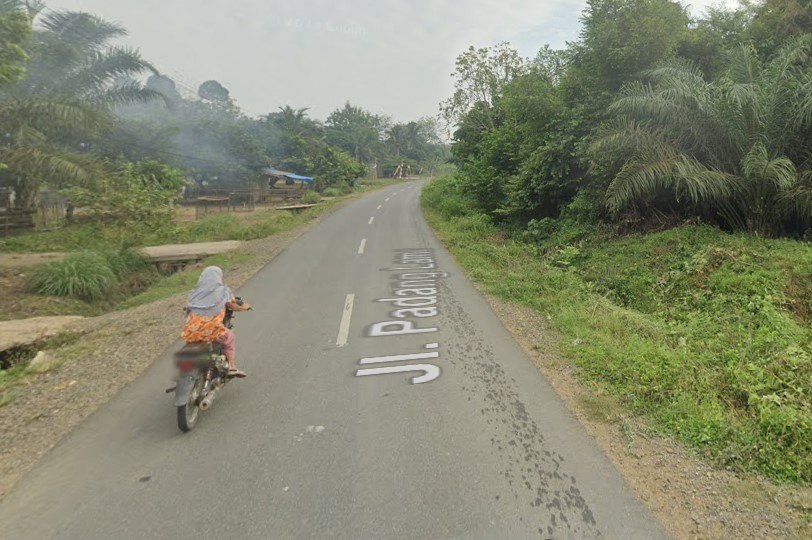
column 184, row 389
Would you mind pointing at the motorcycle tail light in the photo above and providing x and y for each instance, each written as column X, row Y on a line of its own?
column 185, row 366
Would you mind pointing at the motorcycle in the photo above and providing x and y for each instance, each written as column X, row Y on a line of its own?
column 202, row 374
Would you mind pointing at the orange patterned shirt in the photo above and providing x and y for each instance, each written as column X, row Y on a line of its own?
column 200, row 329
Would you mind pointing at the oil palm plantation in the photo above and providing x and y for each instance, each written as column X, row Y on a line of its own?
column 73, row 80
column 729, row 148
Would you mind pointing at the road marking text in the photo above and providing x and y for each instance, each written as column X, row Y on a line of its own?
column 414, row 296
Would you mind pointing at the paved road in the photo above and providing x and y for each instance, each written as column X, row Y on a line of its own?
column 366, row 415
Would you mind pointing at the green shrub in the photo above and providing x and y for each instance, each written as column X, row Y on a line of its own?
column 86, row 275
column 707, row 333
column 331, row 192
column 141, row 192
column 310, row 197
column 212, row 228
column 444, row 196
column 344, row 188
column 125, row 262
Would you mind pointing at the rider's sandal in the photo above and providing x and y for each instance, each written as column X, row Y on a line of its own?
column 237, row 373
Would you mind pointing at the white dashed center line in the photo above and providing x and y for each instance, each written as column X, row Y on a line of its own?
column 371, row 220
column 379, row 207
column 362, row 246
column 346, row 316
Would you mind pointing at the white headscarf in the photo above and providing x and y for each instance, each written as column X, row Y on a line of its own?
column 210, row 296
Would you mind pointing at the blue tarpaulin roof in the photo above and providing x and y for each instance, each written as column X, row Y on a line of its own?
column 276, row 172
column 298, row 177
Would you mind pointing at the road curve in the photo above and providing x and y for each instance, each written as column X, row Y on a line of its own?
column 385, row 400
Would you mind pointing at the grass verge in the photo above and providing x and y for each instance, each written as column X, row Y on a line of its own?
column 113, row 237
column 709, row 335
column 91, row 283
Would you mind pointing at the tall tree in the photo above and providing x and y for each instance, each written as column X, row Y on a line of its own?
column 214, row 92
column 357, row 131
column 776, row 21
column 480, row 77
column 15, row 27
column 619, row 39
column 73, row 79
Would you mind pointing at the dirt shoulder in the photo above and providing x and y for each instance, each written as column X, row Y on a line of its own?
column 688, row 495
column 79, row 380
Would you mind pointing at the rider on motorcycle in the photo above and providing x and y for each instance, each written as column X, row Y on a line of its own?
column 206, row 309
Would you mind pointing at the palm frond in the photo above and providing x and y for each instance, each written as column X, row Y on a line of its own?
column 52, row 165
column 81, row 28
column 677, row 71
column 126, row 94
column 779, row 172
column 797, row 201
column 101, row 70
column 791, row 55
column 10, row 6
column 802, row 101
column 625, row 137
column 665, row 169
column 689, row 116
column 743, row 65
column 53, row 117
column 26, row 136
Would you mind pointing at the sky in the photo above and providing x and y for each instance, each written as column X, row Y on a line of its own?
column 392, row 57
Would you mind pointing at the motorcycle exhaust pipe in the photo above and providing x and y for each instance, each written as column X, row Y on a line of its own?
column 206, row 402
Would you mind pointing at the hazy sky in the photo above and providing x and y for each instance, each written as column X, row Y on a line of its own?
column 389, row 56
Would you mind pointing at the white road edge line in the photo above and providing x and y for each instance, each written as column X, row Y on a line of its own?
column 371, row 220
column 344, row 327
column 362, row 246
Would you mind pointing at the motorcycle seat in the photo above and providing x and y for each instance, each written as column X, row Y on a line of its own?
column 193, row 350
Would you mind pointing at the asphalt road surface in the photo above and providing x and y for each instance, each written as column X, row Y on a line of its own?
column 384, row 400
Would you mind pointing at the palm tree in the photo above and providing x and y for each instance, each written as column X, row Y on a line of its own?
column 293, row 122
column 357, row 132
column 398, row 139
column 730, row 145
column 73, row 80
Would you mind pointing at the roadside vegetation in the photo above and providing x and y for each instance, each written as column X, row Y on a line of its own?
column 227, row 226
column 87, row 275
column 649, row 188
column 707, row 333
column 99, row 276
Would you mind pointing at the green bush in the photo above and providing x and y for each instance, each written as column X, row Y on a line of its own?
column 344, row 188
column 86, row 275
column 140, row 192
column 91, row 275
column 332, row 192
column 212, row 228
column 125, row 262
column 709, row 334
column 444, row 195
column 310, row 197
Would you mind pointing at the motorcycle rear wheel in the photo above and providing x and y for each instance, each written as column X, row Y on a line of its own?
column 190, row 411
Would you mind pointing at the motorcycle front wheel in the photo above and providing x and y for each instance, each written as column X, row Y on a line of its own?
column 189, row 412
